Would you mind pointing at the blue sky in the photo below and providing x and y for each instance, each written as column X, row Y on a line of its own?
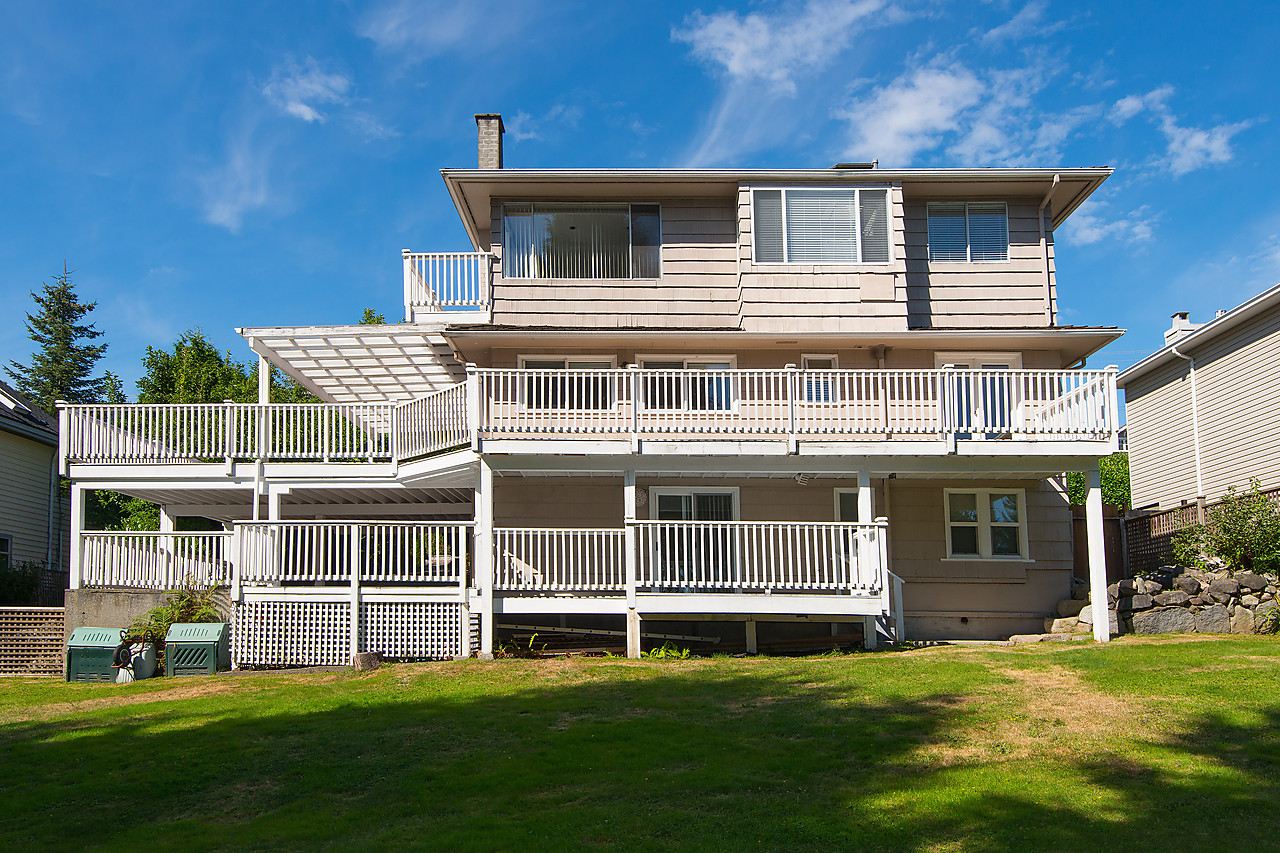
column 245, row 164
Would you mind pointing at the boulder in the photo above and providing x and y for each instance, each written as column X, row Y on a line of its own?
column 1224, row 587
column 1172, row 598
column 1164, row 620
column 1213, row 620
column 1137, row 602
column 1155, row 587
column 1127, row 587
column 1263, row 613
column 1188, row 584
column 1086, row 620
column 1079, row 590
column 1251, row 582
column 1069, row 625
column 1250, row 601
column 1242, row 621
column 1071, row 607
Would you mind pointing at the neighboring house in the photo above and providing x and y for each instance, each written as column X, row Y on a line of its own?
column 33, row 519
column 651, row 400
column 1203, row 411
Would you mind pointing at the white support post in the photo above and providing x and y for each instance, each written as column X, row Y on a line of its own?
column 865, row 551
column 473, row 406
column 1113, row 406
column 167, row 545
column 264, row 413
column 793, row 391
column 77, row 536
column 354, row 558
column 464, row 609
column 947, row 402
column 484, row 556
column 264, row 381
column 752, row 646
column 633, row 388
column 64, row 435
column 1097, row 554
column 631, row 558
column 869, row 633
column 234, row 557
column 229, row 436
column 408, row 285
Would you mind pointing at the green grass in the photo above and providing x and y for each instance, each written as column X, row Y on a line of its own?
column 1136, row 745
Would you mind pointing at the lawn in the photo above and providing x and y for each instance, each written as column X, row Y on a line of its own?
column 1138, row 745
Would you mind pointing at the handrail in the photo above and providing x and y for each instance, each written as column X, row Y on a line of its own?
column 436, row 282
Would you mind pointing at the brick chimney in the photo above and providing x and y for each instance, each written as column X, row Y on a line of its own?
column 489, row 132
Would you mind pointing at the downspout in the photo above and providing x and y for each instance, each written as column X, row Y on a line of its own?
column 1195, row 418
column 1044, row 251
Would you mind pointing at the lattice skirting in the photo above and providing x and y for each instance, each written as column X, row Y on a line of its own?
column 31, row 640
column 303, row 633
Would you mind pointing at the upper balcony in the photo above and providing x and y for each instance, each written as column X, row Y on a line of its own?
column 702, row 412
column 457, row 286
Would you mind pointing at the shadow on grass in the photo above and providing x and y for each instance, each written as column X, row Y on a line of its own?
column 676, row 760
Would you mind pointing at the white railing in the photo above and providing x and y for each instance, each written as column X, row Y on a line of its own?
column 433, row 423
column 446, row 281
column 693, row 556
column 154, row 560
column 559, row 559
column 801, row 404
column 327, row 552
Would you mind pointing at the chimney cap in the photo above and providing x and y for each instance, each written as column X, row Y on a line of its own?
column 489, row 117
column 1180, row 315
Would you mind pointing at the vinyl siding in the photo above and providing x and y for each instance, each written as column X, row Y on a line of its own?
column 764, row 359
column 698, row 288
column 24, row 496
column 1008, row 294
column 1239, row 409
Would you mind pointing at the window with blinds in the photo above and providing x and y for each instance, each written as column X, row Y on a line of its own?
column 968, row 231
column 586, row 241
column 821, row 226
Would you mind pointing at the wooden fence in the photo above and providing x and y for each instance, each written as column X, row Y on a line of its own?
column 1150, row 534
column 31, row 640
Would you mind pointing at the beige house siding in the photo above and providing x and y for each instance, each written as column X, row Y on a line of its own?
column 1239, row 414
column 698, row 288
column 1008, row 294
column 859, row 358
column 24, row 496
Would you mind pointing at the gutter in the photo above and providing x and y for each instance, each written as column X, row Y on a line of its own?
column 1195, row 418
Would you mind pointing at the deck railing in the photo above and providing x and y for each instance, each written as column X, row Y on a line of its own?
column 446, row 281
column 692, row 556
column 154, row 560
column 802, row 404
column 328, row 552
column 559, row 559
column 495, row 403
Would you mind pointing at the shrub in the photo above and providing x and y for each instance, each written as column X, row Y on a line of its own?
column 1113, row 473
column 19, row 583
column 184, row 605
column 1243, row 533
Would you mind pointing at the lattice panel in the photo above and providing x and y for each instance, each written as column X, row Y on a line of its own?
column 412, row 630
column 31, row 640
column 292, row 633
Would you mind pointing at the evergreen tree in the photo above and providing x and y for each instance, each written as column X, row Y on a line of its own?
column 372, row 318
column 62, row 367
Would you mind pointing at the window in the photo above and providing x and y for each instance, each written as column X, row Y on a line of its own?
column 986, row 524
column 821, row 226
column 819, row 386
column 692, row 555
column 6, row 552
column 960, row 231
column 576, row 389
column 586, row 241
column 679, row 390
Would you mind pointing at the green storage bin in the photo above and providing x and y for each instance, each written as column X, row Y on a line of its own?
column 90, row 652
column 197, row 648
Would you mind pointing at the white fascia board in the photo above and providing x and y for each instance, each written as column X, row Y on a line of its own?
column 1241, row 313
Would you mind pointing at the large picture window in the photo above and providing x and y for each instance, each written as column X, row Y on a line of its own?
column 821, row 226
column 984, row 524
column 583, row 241
column 968, row 231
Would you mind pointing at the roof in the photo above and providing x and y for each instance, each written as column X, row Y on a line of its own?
column 1241, row 314
column 20, row 416
column 472, row 189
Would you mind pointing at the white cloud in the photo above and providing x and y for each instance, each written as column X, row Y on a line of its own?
column 420, row 30
column 1095, row 222
column 1192, row 148
column 524, row 126
column 912, row 113
column 1027, row 23
column 296, row 90
column 776, row 48
column 240, row 185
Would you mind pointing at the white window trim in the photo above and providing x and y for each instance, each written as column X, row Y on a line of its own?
column 857, row 226
column 984, row 526
column 657, row 491
column 522, row 360
column 835, row 497
column 686, row 360
column 969, row 360
column 833, row 394
column 502, row 216
column 968, row 246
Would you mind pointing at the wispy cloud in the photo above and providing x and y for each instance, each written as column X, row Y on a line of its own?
column 1029, row 22
column 775, row 48
column 912, row 113
column 523, row 126
column 419, row 31
column 1186, row 148
column 1096, row 222
column 298, row 90
column 241, row 183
